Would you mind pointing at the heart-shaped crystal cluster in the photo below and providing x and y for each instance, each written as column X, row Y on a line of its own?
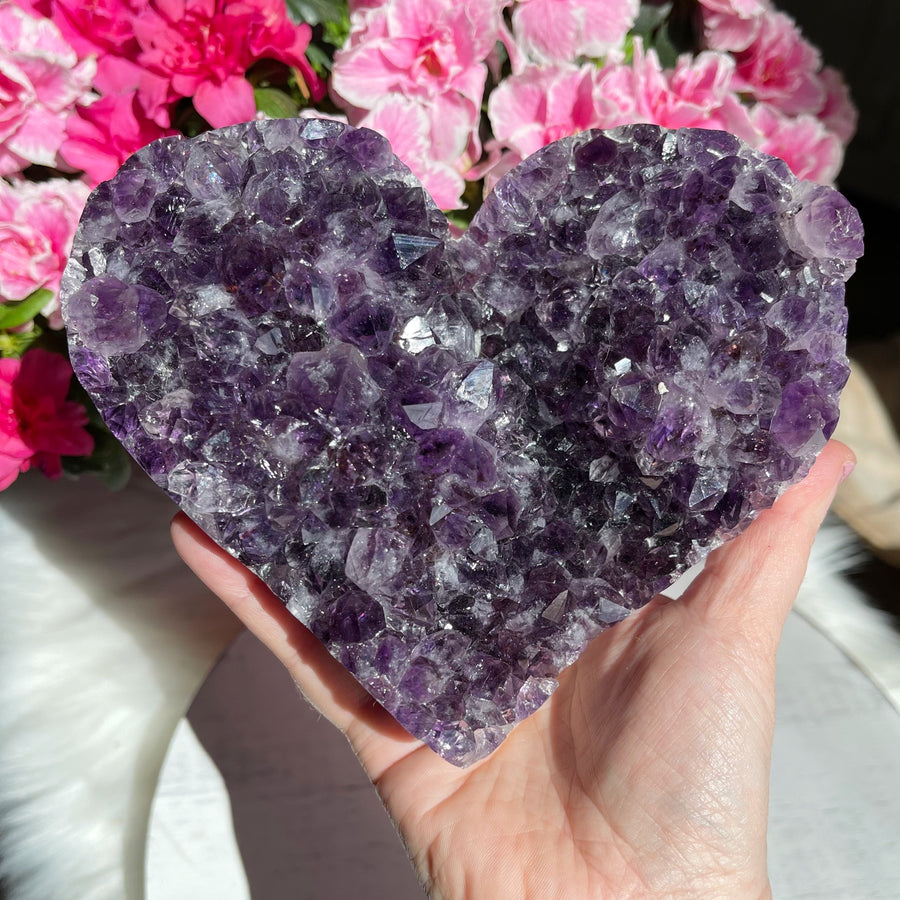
column 459, row 460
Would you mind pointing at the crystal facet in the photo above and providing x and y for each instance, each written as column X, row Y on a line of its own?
column 459, row 460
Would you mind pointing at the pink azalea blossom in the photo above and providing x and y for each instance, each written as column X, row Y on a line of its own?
column 542, row 104
column 729, row 34
column 411, row 128
column 732, row 25
column 37, row 224
column 40, row 81
column 168, row 49
column 697, row 93
column 839, row 115
column 562, row 30
column 38, row 425
column 103, row 135
column 359, row 8
column 100, row 27
column 104, row 29
column 15, row 454
column 618, row 88
column 418, row 48
column 780, row 67
column 803, row 142
column 746, row 9
column 204, row 47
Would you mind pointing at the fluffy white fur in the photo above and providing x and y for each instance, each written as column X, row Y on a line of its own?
column 840, row 611
column 104, row 638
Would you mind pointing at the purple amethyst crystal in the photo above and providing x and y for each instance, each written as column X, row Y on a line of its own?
column 459, row 460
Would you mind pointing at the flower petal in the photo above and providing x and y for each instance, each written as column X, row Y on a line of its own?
column 227, row 103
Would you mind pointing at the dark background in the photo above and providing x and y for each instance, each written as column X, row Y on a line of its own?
column 862, row 39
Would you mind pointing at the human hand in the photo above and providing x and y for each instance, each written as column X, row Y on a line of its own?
column 646, row 773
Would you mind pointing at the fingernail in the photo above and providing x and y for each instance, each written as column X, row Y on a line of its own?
column 848, row 467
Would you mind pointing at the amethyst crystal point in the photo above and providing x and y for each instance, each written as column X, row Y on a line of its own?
column 459, row 461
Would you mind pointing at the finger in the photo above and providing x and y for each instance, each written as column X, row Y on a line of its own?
column 324, row 681
column 748, row 586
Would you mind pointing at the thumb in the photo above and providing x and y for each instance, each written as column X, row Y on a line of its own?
column 748, row 586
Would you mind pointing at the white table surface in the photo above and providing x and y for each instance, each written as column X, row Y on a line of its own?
column 259, row 797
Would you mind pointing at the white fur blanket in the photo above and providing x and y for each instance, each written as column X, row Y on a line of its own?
column 105, row 637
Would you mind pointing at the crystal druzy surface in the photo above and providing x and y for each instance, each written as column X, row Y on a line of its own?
column 458, row 460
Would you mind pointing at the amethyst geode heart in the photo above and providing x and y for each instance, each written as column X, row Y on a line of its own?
column 458, row 460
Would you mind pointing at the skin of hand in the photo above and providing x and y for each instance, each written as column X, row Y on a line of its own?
column 646, row 774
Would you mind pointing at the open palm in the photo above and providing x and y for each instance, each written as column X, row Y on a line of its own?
column 645, row 775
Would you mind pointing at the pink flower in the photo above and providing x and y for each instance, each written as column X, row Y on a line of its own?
column 37, row 224
column 732, row 25
column 781, row 68
column 104, row 29
column 168, row 49
column 103, row 135
column 360, row 7
column 839, row 114
column 562, row 30
column 40, row 81
column 418, row 48
column 618, row 88
column 746, row 9
column 544, row 103
column 100, row 27
column 415, row 71
column 541, row 104
column 202, row 48
column 802, row 142
column 38, row 425
column 697, row 93
column 729, row 34
column 411, row 127
column 15, row 454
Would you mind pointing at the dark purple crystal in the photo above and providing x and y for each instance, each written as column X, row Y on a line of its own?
column 457, row 461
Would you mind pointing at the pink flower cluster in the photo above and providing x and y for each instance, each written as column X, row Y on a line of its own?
column 82, row 86
column 41, row 80
column 38, row 425
column 540, row 104
column 801, row 111
column 416, row 70
column 37, row 224
column 140, row 57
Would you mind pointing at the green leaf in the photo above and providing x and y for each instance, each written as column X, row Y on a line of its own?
column 336, row 31
column 14, row 314
column 274, row 103
column 319, row 59
column 15, row 343
column 472, row 199
column 665, row 48
column 110, row 461
column 316, row 12
column 649, row 19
